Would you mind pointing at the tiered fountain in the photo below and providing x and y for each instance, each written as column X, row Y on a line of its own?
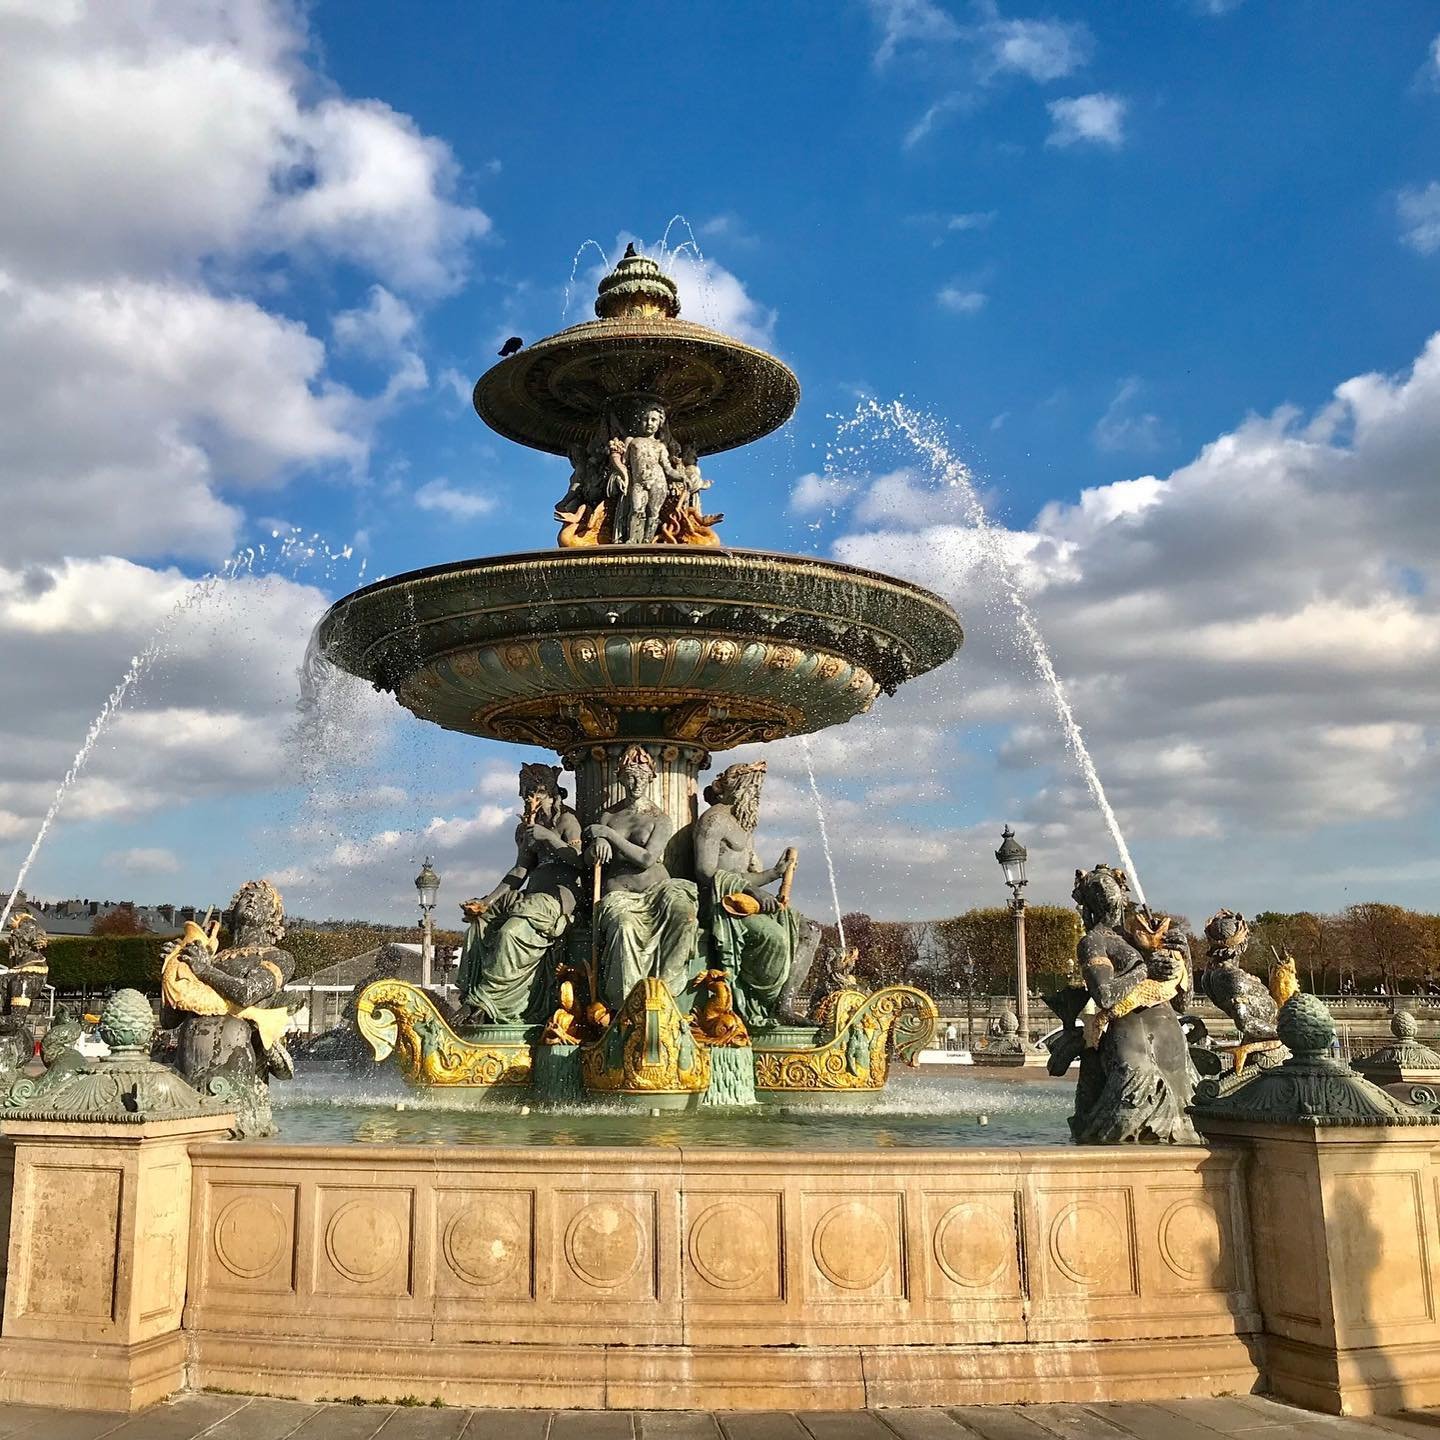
column 643, row 629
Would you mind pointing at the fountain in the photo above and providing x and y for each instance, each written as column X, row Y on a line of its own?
column 637, row 649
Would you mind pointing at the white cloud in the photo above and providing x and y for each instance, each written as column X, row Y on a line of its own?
column 144, row 861
column 971, row 220
column 1251, row 642
column 905, row 23
column 960, row 301
column 1418, row 210
column 1123, row 427
column 1096, row 119
column 450, row 500
column 1041, row 50
column 714, row 296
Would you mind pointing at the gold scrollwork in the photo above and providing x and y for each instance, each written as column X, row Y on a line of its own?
column 399, row 1018
column 858, row 1032
column 648, row 1049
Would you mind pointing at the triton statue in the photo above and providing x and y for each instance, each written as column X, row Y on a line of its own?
column 516, row 931
column 21, row 985
column 1134, row 1083
column 646, row 923
column 764, row 945
column 231, row 1030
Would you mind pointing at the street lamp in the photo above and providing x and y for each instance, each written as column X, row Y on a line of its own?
column 1012, row 856
column 427, row 882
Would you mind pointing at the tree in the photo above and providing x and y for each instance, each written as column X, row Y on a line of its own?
column 122, row 920
column 1388, row 943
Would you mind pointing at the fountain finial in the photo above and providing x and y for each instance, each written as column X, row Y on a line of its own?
column 637, row 289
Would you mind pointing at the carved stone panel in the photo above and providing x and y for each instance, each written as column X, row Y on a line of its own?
column 160, row 1253
column 974, row 1245
column 855, row 1245
column 605, row 1246
column 1196, row 1245
column 732, row 1247
column 486, row 1244
column 1378, row 1246
column 363, row 1241
column 70, row 1270
column 1284, row 1232
column 252, row 1238
column 1087, row 1242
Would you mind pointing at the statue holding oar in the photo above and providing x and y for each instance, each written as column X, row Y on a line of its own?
column 764, row 945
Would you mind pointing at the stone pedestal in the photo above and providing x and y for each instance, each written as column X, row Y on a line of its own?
column 97, row 1245
column 1346, row 1262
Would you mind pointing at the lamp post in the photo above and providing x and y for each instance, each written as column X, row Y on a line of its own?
column 427, row 882
column 1012, row 856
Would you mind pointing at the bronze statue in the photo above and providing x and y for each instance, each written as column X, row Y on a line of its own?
column 1250, row 1004
column 646, row 923
column 1135, row 1081
column 225, row 1005
column 764, row 945
column 22, row 983
column 515, row 931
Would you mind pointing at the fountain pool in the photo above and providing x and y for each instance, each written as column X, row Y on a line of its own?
column 917, row 1110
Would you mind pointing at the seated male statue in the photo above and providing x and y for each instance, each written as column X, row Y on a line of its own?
column 764, row 945
column 513, row 941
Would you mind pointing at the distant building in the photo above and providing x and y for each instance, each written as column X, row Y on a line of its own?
column 78, row 917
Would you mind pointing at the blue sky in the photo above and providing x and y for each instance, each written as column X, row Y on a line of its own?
column 1126, row 256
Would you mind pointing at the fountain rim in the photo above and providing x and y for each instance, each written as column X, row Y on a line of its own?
column 616, row 554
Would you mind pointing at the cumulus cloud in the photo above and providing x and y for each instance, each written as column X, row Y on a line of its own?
column 1418, row 210
column 1251, row 642
column 450, row 500
column 1041, row 50
column 143, row 860
column 164, row 154
column 905, row 23
column 1096, row 119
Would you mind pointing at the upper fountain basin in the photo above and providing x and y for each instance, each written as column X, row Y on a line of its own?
column 714, row 648
column 717, row 390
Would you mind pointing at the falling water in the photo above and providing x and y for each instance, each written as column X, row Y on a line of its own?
column 575, row 266
column 296, row 549
column 824, row 840
column 927, row 438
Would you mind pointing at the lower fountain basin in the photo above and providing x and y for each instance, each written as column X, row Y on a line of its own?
column 713, row 648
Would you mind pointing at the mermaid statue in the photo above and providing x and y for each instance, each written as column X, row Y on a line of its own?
column 646, row 922
column 1135, row 1081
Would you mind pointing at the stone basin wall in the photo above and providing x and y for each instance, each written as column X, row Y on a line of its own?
column 719, row 1278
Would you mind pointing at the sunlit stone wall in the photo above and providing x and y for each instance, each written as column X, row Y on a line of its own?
column 719, row 1278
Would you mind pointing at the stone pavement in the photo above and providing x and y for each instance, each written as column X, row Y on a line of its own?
column 243, row 1417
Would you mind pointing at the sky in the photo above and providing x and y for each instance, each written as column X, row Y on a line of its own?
column 1163, row 277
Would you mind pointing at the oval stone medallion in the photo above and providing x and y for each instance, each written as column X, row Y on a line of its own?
column 729, row 1245
column 483, row 1244
column 604, row 1244
column 852, row 1246
column 249, row 1236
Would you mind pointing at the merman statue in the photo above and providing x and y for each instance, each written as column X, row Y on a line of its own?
column 515, row 932
column 646, row 923
column 224, row 1004
column 21, row 984
column 764, row 945
column 1134, row 1083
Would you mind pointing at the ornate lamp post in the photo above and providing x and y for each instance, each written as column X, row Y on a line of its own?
column 1012, row 856
column 427, row 882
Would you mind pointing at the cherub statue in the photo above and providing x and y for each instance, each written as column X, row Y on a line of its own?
column 651, row 469
column 1251, row 1005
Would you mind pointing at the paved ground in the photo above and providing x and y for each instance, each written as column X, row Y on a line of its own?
column 240, row 1417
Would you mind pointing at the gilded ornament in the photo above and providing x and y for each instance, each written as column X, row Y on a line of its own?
column 856, row 1040
column 401, row 1019
column 648, row 1050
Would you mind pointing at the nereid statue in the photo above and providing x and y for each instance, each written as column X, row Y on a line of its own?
column 764, row 945
column 1135, row 1081
column 21, row 984
column 231, row 1038
column 516, row 931
column 647, row 922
